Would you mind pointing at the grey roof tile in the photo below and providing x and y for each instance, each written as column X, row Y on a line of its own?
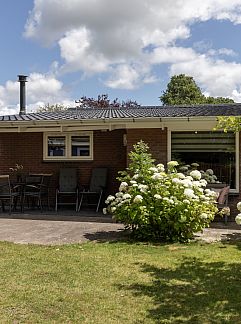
column 123, row 113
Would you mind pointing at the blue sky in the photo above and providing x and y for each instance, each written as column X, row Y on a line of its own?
column 128, row 49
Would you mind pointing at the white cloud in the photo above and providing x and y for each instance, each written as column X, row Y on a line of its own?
column 171, row 55
column 222, row 52
column 127, row 39
column 218, row 78
column 124, row 77
column 41, row 89
column 77, row 51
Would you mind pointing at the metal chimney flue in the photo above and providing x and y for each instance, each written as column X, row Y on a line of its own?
column 22, row 79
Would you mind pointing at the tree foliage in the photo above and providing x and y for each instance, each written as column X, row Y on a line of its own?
column 229, row 124
column 52, row 108
column 183, row 90
column 103, row 101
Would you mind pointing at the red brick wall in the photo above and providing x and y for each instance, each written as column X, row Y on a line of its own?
column 27, row 149
column 156, row 138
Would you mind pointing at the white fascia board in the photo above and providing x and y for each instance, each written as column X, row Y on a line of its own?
column 113, row 123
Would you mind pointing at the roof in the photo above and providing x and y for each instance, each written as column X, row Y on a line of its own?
column 123, row 113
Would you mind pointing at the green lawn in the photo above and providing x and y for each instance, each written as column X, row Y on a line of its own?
column 120, row 283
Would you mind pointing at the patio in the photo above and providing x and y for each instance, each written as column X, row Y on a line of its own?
column 65, row 227
column 69, row 227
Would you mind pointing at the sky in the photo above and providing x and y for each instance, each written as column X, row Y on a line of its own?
column 127, row 49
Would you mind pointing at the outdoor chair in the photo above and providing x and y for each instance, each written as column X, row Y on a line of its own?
column 67, row 191
column 92, row 195
column 36, row 189
column 222, row 198
column 8, row 193
column 32, row 191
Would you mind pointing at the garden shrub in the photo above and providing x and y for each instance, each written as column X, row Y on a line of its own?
column 161, row 204
column 208, row 174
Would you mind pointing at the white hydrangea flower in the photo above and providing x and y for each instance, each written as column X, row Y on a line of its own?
column 186, row 201
column 172, row 164
column 204, row 216
column 157, row 196
column 135, row 176
column 133, row 181
column 225, row 211
column 123, row 186
column 195, row 174
column 126, row 196
column 156, row 176
column 186, row 183
column 109, row 199
column 135, row 185
column 104, row 211
column 183, row 168
column 180, row 175
column 210, row 172
column 207, row 191
column 213, row 194
column 113, row 209
column 189, row 178
column 142, row 187
column 153, row 169
column 238, row 219
column 119, row 194
column 138, row 199
column 160, row 167
column 171, row 201
column 196, row 184
column 176, row 180
column 195, row 165
column 189, row 193
column 203, row 182
column 239, row 206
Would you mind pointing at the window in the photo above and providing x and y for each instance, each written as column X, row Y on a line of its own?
column 211, row 150
column 69, row 146
column 56, row 146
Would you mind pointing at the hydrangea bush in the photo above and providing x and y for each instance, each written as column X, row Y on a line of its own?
column 208, row 174
column 158, row 203
column 238, row 217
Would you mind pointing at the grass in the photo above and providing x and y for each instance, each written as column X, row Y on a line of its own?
column 120, row 283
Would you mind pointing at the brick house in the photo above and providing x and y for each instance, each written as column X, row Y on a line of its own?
column 88, row 138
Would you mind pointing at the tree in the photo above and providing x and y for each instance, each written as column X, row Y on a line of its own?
column 183, row 90
column 52, row 108
column 104, row 102
column 218, row 100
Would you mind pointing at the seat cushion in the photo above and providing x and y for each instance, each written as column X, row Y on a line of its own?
column 223, row 194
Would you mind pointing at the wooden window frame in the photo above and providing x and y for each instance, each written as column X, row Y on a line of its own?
column 68, row 147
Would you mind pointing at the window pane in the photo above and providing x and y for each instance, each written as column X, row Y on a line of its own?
column 56, row 146
column 211, row 150
column 80, row 145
